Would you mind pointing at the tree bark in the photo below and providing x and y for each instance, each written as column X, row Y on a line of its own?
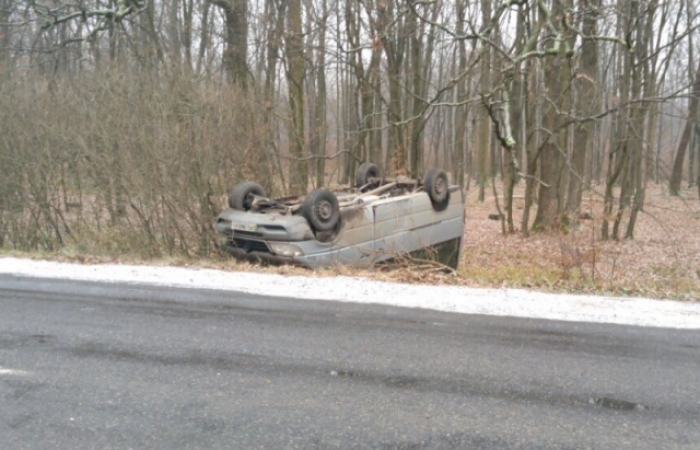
column 587, row 91
column 484, row 141
column 677, row 175
column 318, row 139
column 462, row 113
column 643, row 84
column 236, row 51
column 394, row 45
column 533, row 108
column 298, row 173
column 174, row 33
column 204, row 38
column 557, row 76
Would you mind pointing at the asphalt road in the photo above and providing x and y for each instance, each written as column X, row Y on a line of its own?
column 102, row 366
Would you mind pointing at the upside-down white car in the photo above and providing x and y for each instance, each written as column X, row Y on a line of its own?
column 375, row 220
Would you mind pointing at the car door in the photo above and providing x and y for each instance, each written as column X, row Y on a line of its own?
column 355, row 243
column 393, row 218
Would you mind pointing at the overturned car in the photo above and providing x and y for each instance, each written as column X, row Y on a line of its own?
column 377, row 219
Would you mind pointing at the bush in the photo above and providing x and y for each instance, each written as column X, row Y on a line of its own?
column 124, row 154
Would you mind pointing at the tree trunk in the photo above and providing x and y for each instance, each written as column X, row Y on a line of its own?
column 236, row 51
column 204, row 37
column 532, row 87
column 557, row 77
column 174, row 33
column 274, row 21
column 462, row 113
column 691, row 156
column 697, row 183
column 484, row 141
column 188, row 13
column 321, row 98
column 587, row 106
column 612, row 177
column 365, row 88
column 551, row 165
column 677, row 175
column 376, row 150
column 643, row 84
column 298, row 170
column 394, row 44
column 5, row 33
column 150, row 48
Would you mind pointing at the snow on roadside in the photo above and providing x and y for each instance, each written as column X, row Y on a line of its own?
column 16, row 372
column 499, row 302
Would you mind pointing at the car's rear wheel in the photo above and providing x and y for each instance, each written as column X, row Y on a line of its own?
column 321, row 209
column 243, row 194
column 365, row 173
column 437, row 187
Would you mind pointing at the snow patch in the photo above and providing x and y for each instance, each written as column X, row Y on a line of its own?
column 458, row 299
column 4, row 371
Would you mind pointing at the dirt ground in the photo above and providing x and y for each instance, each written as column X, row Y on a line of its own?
column 663, row 259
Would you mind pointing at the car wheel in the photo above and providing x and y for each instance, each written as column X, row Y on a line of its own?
column 243, row 194
column 321, row 209
column 437, row 187
column 365, row 172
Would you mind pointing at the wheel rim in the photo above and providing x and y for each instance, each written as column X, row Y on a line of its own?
column 439, row 186
column 324, row 210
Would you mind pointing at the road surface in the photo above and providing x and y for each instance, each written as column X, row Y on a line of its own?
column 105, row 365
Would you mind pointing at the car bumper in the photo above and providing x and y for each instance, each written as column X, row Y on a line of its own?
column 257, row 257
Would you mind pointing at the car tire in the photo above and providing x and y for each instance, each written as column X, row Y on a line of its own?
column 437, row 186
column 321, row 210
column 365, row 172
column 242, row 195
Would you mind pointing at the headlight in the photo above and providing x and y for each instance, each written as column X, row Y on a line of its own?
column 283, row 249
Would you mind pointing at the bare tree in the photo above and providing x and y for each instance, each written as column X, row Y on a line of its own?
column 236, row 52
column 318, row 137
column 298, row 175
column 677, row 175
column 587, row 104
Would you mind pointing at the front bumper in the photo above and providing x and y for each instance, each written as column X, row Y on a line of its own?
column 314, row 255
column 259, row 257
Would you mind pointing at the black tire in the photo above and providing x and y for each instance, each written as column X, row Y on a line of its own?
column 365, row 172
column 321, row 210
column 241, row 197
column 438, row 188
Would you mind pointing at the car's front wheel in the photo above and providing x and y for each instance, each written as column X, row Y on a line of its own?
column 321, row 209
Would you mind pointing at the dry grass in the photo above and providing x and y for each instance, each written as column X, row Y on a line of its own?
column 663, row 261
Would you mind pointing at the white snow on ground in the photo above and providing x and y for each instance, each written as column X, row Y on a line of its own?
column 4, row 371
column 499, row 302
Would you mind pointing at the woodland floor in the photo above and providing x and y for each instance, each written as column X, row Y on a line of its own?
column 662, row 261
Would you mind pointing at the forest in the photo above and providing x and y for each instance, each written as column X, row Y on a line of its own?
column 124, row 123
